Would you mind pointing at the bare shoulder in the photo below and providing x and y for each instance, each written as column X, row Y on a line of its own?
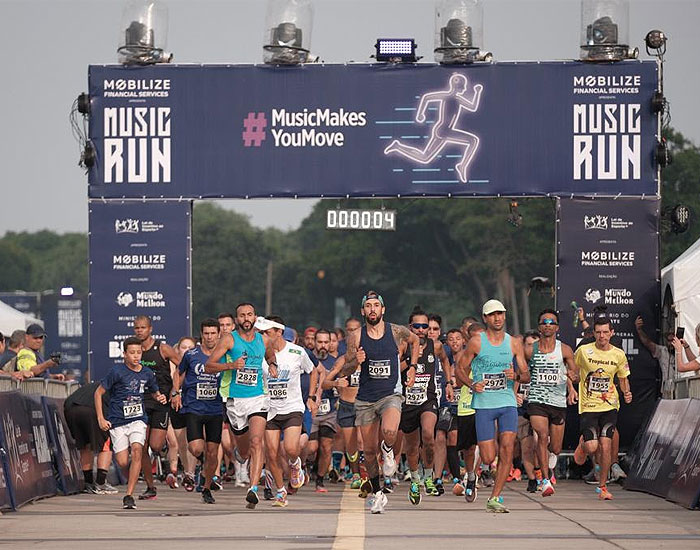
column 400, row 333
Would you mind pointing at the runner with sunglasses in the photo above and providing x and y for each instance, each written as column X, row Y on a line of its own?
column 552, row 369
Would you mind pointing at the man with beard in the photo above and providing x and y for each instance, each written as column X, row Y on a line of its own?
column 488, row 366
column 241, row 356
column 324, row 424
column 157, row 356
column 200, row 404
column 377, row 349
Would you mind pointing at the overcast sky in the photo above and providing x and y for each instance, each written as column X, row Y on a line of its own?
column 46, row 47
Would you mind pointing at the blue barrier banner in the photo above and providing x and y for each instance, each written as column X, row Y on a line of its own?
column 66, row 456
column 685, row 459
column 30, row 470
column 552, row 128
column 139, row 265
column 607, row 256
column 5, row 493
column 65, row 321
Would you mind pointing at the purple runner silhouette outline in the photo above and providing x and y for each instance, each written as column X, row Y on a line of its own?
column 451, row 101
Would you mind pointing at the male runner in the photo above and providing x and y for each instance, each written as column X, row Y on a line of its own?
column 446, row 436
column 324, row 424
column 526, row 435
column 420, row 408
column 488, row 366
column 598, row 363
column 286, row 412
column 377, row 348
column 127, row 417
column 157, row 356
column 551, row 370
column 199, row 402
column 241, row 356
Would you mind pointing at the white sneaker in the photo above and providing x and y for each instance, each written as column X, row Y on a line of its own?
column 616, row 473
column 553, row 459
column 389, row 463
column 107, row 489
column 245, row 477
column 378, row 503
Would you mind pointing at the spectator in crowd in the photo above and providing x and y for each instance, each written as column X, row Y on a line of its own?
column 29, row 362
column 13, row 346
column 310, row 338
column 2, row 344
column 693, row 363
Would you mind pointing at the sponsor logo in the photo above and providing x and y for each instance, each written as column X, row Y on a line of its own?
column 125, row 299
column 595, row 222
column 136, row 88
column 607, row 85
column 604, row 258
column 592, row 295
column 126, row 226
column 138, row 261
column 618, row 297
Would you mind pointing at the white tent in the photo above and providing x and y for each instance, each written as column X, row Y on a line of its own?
column 680, row 289
column 11, row 319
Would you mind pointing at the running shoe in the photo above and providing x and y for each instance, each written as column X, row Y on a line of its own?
column 296, row 474
column 215, row 483
column 333, row 476
column 365, row 488
column 515, row 475
column 320, row 487
column 407, row 475
column 378, row 503
column 532, row 485
column 355, row 482
column 389, row 462
column 604, row 494
column 486, row 479
column 495, row 505
column 106, row 489
column 552, row 477
column 128, row 503
column 591, row 477
column 251, row 498
column 149, row 494
column 553, row 459
column 267, row 494
column 207, row 497
column 280, row 499
column 439, row 486
column 458, row 489
column 470, row 490
column 430, row 488
column 617, row 473
column 200, row 484
column 188, row 483
column 171, row 481
column 244, row 476
column 92, row 489
column 414, row 494
column 547, row 489
column 388, row 487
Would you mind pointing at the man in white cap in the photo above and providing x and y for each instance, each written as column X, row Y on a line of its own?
column 490, row 370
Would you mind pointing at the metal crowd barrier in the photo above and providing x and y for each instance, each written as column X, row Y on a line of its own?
column 39, row 386
column 687, row 387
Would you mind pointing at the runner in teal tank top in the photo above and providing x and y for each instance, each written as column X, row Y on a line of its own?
column 491, row 363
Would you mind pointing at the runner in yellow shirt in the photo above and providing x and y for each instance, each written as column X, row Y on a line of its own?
column 598, row 363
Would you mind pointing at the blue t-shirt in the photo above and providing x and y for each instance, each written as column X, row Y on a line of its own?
column 200, row 390
column 126, row 389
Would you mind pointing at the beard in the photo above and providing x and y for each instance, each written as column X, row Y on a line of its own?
column 322, row 354
column 374, row 322
column 246, row 326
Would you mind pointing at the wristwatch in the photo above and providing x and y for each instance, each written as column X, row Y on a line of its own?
column 174, row 393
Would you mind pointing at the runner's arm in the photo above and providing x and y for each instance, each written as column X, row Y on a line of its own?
column 354, row 354
column 523, row 372
column 224, row 345
column 104, row 423
column 464, row 364
column 270, row 356
column 330, row 378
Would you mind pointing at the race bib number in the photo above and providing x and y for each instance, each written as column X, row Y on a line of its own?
column 494, row 381
column 207, row 392
column 438, row 392
column 598, row 384
column 355, row 379
column 247, row 377
column 524, row 391
column 418, row 393
column 278, row 390
column 133, row 409
column 324, row 407
column 379, row 369
column 548, row 376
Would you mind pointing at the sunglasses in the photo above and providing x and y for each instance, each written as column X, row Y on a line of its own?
column 548, row 322
column 419, row 325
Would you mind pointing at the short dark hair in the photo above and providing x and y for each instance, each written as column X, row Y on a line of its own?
column 323, row 331
column 225, row 314
column 602, row 321
column 532, row 334
column 276, row 319
column 417, row 310
column 548, row 311
column 453, row 330
column 475, row 326
column 16, row 338
column 435, row 317
column 352, row 319
column 244, row 304
column 132, row 340
column 209, row 322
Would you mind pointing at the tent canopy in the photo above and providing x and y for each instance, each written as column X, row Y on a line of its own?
column 11, row 319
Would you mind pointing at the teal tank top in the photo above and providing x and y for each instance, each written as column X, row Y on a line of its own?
column 248, row 381
column 489, row 366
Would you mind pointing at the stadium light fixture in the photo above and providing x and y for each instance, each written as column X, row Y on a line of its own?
column 605, row 31
column 288, row 26
column 459, row 32
column 396, row 50
column 144, row 31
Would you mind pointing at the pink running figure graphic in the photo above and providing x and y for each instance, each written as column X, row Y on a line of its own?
column 451, row 102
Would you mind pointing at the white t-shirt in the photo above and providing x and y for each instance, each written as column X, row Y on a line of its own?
column 285, row 390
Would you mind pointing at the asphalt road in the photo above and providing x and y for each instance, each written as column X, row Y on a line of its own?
column 573, row 518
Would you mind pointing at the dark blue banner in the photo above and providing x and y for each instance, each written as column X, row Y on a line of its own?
column 685, row 459
column 608, row 257
column 139, row 265
column 5, row 491
column 65, row 321
column 66, row 457
column 554, row 128
column 30, row 471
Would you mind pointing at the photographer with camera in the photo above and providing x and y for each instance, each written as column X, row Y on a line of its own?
column 30, row 363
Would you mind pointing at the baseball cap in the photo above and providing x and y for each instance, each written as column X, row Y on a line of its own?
column 264, row 324
column 492, row 306
column 35, row 330
column 288, row 334
column 310, row 330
